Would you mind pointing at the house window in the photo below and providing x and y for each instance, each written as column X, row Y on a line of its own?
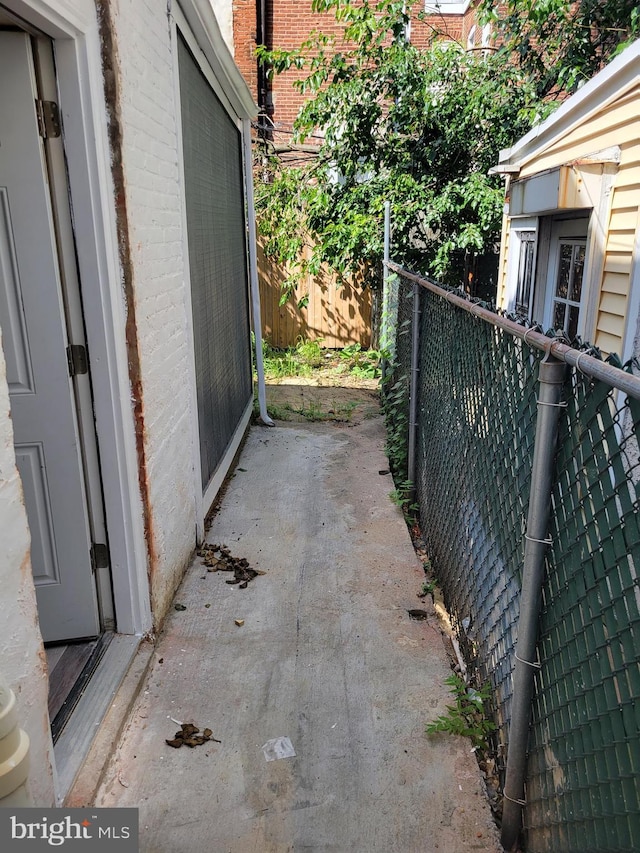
column 526, row 273
column 521, row 267
column 567, row 293
column 471, row 38
column 446, row 7
column 545, row 268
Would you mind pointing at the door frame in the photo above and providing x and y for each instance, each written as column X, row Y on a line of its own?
column 74, row 30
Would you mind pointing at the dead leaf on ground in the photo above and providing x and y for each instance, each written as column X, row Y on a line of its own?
column 418, row 615
column 189, row 735
column 218, row 558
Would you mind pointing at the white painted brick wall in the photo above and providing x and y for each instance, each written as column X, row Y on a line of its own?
column 22, row 660
column 152, row 178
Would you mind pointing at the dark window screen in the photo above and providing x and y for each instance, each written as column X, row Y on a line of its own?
column 214, row 189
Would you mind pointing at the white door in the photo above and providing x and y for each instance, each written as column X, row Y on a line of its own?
column 32, row 318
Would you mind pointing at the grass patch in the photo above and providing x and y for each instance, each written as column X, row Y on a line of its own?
column 308, row 356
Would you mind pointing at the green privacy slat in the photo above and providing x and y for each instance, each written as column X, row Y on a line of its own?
column 477, row 416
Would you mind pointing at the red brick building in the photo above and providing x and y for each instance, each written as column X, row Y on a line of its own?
column 285, row 24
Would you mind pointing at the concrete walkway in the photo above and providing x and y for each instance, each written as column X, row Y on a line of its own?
column 327, row 657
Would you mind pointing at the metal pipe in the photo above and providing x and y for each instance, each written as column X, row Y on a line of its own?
column 413, row 390
column 384, row 320
column 387, row 234
column 253, row 272
column 551, row 380
column 261, row 39
column 586, row 364
column 14, row 753
column 385, row 277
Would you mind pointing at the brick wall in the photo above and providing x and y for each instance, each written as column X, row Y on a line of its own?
column 290, row 22
column 149, row 120
column 245, row 34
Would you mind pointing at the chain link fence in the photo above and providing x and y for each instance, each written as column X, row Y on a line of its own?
column 477, row 404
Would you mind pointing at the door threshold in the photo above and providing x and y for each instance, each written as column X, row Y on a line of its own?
column 73, row 684
column 95, row 698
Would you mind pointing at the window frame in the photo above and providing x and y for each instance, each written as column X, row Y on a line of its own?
column 565, row 231
column 521, row 231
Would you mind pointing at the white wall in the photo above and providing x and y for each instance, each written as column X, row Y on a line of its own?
column 22, row 658
column 152, row 179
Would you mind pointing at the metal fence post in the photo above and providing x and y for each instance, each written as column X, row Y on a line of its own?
column 413, row 390
column 385, row 330
column 551, row 380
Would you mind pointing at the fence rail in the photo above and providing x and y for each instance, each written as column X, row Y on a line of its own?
column 540, row 566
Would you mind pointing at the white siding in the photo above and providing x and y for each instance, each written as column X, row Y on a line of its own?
column 616, row 125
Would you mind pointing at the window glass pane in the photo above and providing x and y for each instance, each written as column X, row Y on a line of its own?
column 578, row 270
column 558, row 315
column 572, row 325
column 525, row 272
column 564, row 269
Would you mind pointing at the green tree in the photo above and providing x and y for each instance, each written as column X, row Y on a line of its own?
column 419, row 128
column 559, row 44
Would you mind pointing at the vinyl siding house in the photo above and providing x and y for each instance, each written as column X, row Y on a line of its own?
column 570, row 249
column 125, row 367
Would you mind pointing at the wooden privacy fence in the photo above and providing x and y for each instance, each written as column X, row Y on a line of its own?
column 337, row 315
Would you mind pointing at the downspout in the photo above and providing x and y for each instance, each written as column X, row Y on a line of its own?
column 551, row 379
column 413, row 391
column 385, row 343
column 261, row 39
column 253, row 272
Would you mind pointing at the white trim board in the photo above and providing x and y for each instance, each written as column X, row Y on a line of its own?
column 203, row 24
column 225, row 463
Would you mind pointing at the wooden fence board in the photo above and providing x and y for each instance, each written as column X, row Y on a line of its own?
column 336, row 315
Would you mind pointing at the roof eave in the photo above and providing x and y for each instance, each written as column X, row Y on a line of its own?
column 205, row 27
column 611, row 83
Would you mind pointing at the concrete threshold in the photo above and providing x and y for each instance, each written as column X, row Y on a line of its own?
column 314, row 677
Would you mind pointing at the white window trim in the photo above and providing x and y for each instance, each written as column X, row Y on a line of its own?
column 517, row 226
column 446, row 8
column 180, row 22
column 181, row 27
column 471, row 37
column 570, row 228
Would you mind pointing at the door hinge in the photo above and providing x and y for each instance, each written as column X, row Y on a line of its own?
column 77, row 359
column 99, row 556
column 48, row 119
